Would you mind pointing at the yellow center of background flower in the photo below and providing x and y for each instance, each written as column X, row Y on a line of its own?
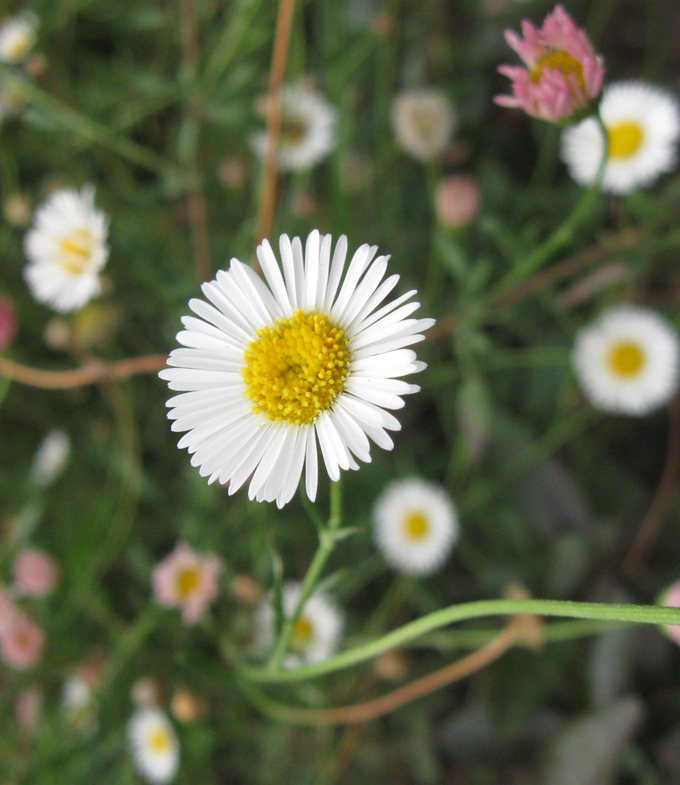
column 416, row 526
column 625, row 138
column 559, row 60
column 626, row 359
column 75, row 251
column 187, row 582
column 293, row 131
column 159, row 740
column 302, row 634
column 295, row 369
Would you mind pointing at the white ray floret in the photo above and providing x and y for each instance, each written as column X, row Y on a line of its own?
column 66, row 249
column 17, row 37
column 643, row 125
column 415, row 525
column 311, row 360
column 154, row 745
column 627, row 360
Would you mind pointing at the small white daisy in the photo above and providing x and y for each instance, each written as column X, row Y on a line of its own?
column 67, row 250
column 269, row 371
column 50, row 458
column 154, row 745
column 79, row 705
column 627, row 360
column 317, row 631
column 415, row 526
column 643, row 125
column 423, row 121
column 307, row 129
column 17, row 37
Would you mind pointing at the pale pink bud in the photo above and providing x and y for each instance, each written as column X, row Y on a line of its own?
column 564, row 74
column 457, row 201
column 21, row 644
column 35, row 573
column 188, row 581
column 8, row 324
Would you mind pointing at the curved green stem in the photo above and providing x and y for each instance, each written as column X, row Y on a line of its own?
column 327, row 540
column 639, row 614
column 564, row 233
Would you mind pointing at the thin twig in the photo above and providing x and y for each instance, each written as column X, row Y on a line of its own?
column 90, row 373
column 267, row 206
column 663, row 498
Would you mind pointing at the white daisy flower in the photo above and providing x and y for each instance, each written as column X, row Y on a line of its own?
column 423, row 121
column 154, row 746
column 627, row 361
column 67, row 250
column 50, row 458
column 643, row 125
column 17, row 37
column 415, row 526
column 307, row 129
column 317, row 632
column 270, row 370
column 79, row 705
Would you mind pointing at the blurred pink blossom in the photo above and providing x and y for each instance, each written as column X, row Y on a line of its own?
column 671, row 598
column 21, row 643
column 563, row 74
column 457, row 201
column 8, row 323
column 35, row 573
column 188, row 581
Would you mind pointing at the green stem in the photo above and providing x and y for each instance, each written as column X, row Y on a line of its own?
column 638, row 614
column 327, row 540
column 564, row 233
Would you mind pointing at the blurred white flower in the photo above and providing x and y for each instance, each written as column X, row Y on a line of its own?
column 414, row 526
column 67, row 250
column 17, row 37
column 79, row 705
column 154, row 745
column 307, row 129
column 423, row 121
column 317, row 631
column 50, row 458
column 627, row 360
column 643, row 125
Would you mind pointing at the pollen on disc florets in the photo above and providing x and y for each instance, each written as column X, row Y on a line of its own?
column 295, row 369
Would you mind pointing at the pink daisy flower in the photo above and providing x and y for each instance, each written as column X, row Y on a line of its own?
column 35, row 573
column 188, row 581
column 21, row 642
column 563, row 73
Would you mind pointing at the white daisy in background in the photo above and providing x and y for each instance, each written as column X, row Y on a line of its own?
column 643, row 125
column 17, row 37
column 627, row 360
column 307, row 129
column 154, row 745
column 423, row 122
column 269, row 371
column 79, row 705
column 67, row 250
column 50, row 458
column 415, row 526
column 317, row 631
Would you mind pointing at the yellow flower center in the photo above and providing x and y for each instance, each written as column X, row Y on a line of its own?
column 626, row 359
column 625, row 138
column 186, row 582
column 18, row 46
column 293, row 131
column 76, row 251
column 302, row 634
column 159, row 740
column 416, row 526
column 559, row 60
column 295, row 369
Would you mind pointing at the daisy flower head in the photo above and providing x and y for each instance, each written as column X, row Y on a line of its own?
column 188, row 581
column 154, row 745
column 307, row 133
column 66, row 249
column 423, row 122
column 317, row 631
column 627, row 361
column 563, row 73
column 414, row 526
column 643, row 126
column 17, row 37
column 312, row 356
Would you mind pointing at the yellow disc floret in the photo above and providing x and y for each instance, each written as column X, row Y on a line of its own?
column 416, row 526
column 626, row 359
column 187, row 581
column 625, row 138
column 559, row 60
column 75, row 251
column 295, row 369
